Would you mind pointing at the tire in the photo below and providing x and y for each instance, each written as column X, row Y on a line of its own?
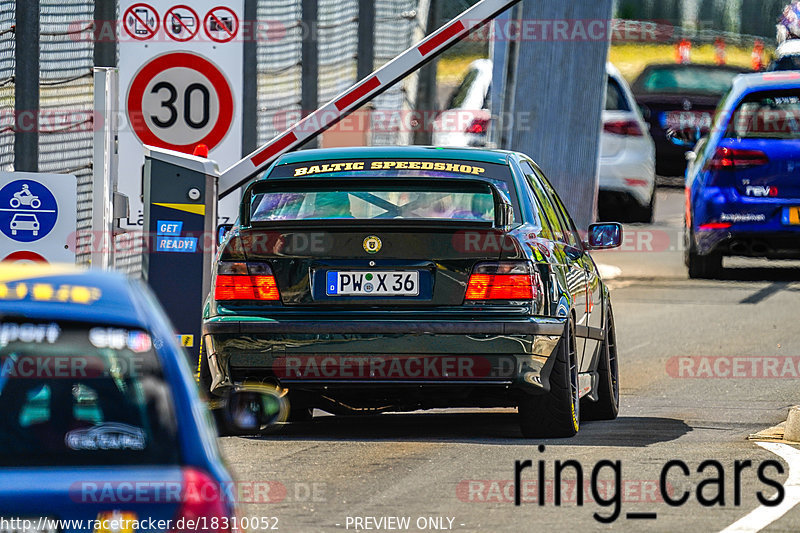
column 607, row 405
column 36, row 204
column 14, row 203
column 701, row 266
column 644, row 213
column 555, row 414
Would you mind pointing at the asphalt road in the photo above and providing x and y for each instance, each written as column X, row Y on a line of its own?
column 456, row 468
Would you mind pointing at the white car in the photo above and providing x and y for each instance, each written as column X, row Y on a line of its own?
column 627, row 152
column 465, row 120
column 627, row 156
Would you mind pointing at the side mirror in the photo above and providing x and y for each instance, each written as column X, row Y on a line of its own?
column 222, row 231
column 505, row 215
column 605, row 235
column 684, row 137
column 690, row 156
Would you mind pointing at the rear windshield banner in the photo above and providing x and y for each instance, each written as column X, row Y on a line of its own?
column 385, row 167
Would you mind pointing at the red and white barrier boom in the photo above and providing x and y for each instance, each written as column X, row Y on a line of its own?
column 362, row 92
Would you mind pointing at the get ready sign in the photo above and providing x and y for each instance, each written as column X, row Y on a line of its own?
column 38, row 217
column 180, row 73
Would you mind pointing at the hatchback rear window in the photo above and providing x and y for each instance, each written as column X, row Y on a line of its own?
column 686, row 78
column 615, row 97
column 82, row 395
column 767, row 115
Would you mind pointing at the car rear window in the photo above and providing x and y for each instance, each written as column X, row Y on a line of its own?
column 615, row 97
column 767, row 115
column 365, row 203
column 73, row 394
column 687, row 79
column 394, row 199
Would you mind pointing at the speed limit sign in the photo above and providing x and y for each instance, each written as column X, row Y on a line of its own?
column 181, row 84
column 179, row 100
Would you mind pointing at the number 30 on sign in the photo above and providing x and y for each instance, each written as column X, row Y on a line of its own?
column 179, row 100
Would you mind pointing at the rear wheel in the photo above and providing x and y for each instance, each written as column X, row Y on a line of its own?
column 557, row 413
column 701, row 266
column 644, row 213
column 607, row 405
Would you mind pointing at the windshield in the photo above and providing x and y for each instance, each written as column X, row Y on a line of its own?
column 80, row 395
column 687, row 79
column 767, row 115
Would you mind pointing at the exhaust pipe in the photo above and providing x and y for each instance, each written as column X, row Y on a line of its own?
column 738, row 247
column 254, row 406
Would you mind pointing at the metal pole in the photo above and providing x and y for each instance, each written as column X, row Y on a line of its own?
column 366, row 38
column 309, row 96
column 105, row 33
column 26, row 88
column 426, row 90
column 250, row 88
column 104, row 168
column 506, row 121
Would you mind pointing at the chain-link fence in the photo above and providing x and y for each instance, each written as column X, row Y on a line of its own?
column 7, row 86
column 280, row 48
column 395, row 22
column 66, row 100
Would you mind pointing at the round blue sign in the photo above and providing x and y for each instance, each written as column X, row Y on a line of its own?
column 28, row 210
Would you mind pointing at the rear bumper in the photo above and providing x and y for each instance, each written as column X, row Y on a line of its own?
column 733, row 242
column 631, row 172
column 315, row 355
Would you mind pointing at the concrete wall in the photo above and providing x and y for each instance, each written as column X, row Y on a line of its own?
column 558, row 101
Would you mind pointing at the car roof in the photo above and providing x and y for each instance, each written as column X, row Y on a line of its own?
column 786, row 48
column 785, row 79
column 65, row 293
column 482, row 155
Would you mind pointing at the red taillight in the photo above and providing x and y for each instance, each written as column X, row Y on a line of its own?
column 500, row 287
column 503, row 281
column 202, row 504
column 714, row 225
column 479, row 125
column 736, row 158
column 629, row 128
column 245, row 281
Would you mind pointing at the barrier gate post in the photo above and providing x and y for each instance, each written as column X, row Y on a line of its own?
column 180, row 197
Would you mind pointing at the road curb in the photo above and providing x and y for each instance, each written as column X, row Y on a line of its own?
column 787, row 431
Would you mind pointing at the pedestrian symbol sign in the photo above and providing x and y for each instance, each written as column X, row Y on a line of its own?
column 28, row 210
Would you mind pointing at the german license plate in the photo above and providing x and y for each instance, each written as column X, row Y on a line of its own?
column 791, row 216
column 375, row 283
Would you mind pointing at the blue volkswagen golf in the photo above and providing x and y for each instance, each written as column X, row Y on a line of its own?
column 743, row 180
column 102, row 428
